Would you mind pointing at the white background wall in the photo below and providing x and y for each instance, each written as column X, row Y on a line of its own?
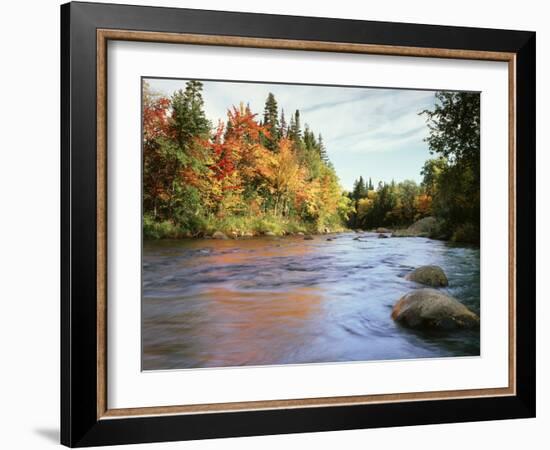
column 29, row 224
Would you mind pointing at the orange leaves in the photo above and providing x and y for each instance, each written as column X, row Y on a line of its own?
column 423, row 205
column 242, row 124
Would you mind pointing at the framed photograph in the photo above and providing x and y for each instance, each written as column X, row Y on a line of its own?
column 277, row 224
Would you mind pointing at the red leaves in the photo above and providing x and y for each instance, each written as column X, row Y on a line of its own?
column 155, row 119
column 224, row 165
column 236, row 147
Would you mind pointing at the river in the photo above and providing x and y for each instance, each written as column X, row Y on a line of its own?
column 262, row 301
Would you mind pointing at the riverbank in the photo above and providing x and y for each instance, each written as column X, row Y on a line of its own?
column 246, row 227
column 236, row 227
column 434, row 228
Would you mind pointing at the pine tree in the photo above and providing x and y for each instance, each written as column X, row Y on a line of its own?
column 185, row 153
column 371, row 186
column 309, row 138
column 295, row 127
column 283, row 126
column 271, row 122
column 359, row 189
column 322, row 149
column 188, row 115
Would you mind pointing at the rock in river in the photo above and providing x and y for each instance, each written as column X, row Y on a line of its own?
column 308, row 237
column 219, row 235
column 382, row 236
column 382, row 230
column 431, row 309
column 269, row 233
column 429, row 275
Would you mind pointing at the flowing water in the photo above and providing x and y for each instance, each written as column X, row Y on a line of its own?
column 260, row 301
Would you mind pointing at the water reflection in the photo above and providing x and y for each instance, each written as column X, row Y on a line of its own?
column 266, row 301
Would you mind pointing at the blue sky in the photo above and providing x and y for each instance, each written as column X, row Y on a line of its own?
column 371, row 132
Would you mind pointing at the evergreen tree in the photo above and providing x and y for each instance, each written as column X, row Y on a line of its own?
column 271, row 122
column 371, row 186
column 189, row 126
column 322, row 149
column 188, row 115
column 309, row 139
column 295, row 127
column 283, row 126
column 359, row 189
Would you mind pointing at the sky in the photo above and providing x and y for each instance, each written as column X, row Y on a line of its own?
column 375, row 133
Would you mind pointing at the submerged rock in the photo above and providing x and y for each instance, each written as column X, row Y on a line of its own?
column 429, row 275
column 308, row 237
column 219, row 235
column 382, row 236
column 431, row 309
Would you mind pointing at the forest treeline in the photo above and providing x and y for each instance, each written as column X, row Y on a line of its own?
column 248, row 175
column 255, row 174
column 450, row 187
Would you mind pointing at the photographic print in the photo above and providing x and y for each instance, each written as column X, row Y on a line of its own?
column 299, row 224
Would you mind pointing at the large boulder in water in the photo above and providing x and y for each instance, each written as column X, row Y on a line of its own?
column 382, row 230
column 429, row 275
column 431, row 309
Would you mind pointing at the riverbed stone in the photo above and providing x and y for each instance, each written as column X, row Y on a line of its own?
column 382, row 236
column 382, row 230
column 432, row 309
column 308, row 237
column 219, row 235
column 429, row 275
column 269, row 233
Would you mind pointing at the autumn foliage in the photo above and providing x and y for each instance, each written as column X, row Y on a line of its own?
column 252, row 173
column 242, row 175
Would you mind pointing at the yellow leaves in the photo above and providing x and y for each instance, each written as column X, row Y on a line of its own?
column 282, row 171
column 363, row 206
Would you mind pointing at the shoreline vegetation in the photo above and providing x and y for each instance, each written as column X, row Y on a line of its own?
column 252, row 175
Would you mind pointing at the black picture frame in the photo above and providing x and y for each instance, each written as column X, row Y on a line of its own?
column 80, row 425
